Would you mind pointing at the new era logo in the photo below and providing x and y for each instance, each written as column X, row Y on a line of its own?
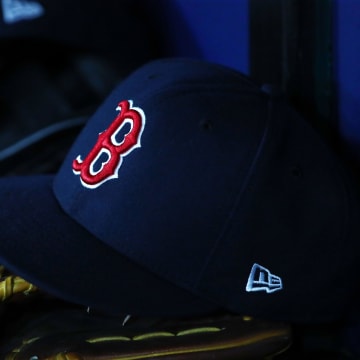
column 261, row 279
column 17, row 10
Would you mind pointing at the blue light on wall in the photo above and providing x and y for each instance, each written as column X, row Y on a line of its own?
column 347, row 70
column 210, row 29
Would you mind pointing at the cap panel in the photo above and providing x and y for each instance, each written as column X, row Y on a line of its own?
column 292, row 220
column 173, row 195
column 46, row 247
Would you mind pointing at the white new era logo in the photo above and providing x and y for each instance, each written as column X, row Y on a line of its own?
column 17, row 10
column 261, row 279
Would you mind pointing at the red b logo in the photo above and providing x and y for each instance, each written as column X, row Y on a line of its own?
column 108, row 145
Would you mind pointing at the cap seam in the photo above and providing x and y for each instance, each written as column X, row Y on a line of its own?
column 238, row 197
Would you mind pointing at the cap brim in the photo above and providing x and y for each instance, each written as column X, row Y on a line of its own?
column 40, row 243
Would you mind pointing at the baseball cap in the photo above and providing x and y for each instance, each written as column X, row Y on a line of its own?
column 90, row 25
column 190, row 191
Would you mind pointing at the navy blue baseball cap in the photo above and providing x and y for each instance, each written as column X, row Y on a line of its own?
column 190, row 191
column 117, row 28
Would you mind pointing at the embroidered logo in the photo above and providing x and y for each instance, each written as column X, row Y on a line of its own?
column 17, row 10
column 261, row 279
column 105, row 158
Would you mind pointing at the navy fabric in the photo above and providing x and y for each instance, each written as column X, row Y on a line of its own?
column 227, row 199
column 42, row 244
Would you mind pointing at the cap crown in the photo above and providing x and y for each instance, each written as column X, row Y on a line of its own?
column 205, row 175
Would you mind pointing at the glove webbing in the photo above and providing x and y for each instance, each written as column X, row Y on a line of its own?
column 11, row 285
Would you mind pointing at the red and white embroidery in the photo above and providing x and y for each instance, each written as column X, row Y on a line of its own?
column 108, row 145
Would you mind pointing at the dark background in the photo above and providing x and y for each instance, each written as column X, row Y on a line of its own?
column 56, row 69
